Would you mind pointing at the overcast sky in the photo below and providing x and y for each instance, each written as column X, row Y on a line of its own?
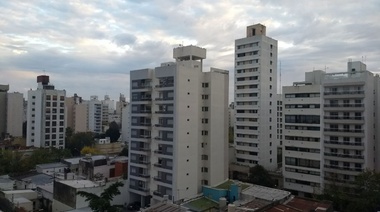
column 89, row 47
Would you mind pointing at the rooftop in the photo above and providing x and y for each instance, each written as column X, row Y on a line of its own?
column 35, row 178
column 51, row 165
column 19, row 191
column 265, row 193
column 201, row 204
column 226, row 185
column 164, row 207
column 80, row 183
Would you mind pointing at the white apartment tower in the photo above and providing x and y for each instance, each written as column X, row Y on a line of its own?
column 46, row 115
column 350, row 108
column 179, row 128
column 302, row 159
column 256, row 98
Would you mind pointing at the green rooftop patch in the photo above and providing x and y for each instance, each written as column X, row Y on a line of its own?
column 201, row 204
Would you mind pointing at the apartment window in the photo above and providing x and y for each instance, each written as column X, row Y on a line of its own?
column 270, row 78
column 204, row 169
column 205, row 96
column 204, row 121
column 204, row 157
column 33, row 97
column 204, row 182
column 204, row 109
column 48, row 97
column 205, row 85
column 204, row 132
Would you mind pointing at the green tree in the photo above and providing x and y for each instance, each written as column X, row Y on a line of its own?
column 113, row 132
column 102, row 203
column 259, row 176
column 124, row 151
column 77, row 141
column 361, row 195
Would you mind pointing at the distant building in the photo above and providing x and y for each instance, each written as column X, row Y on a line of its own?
column 15, row 110
column 3, row 109
column 46, row 115
column 256, row 98
column 179, row 128
column 70, row 103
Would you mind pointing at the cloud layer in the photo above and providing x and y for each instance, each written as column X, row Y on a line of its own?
column 89, row 47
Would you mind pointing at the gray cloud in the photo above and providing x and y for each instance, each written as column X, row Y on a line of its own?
column 90, row 47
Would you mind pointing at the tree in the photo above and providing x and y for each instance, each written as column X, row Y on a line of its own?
column 361, row 195
column 113, row 132
column 79, row 140
column 88, row 150
column 102, row 203
column 124, row 152
column 259, row 176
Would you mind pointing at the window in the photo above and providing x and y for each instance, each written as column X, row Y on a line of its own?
column 204, row 169
column 204, row 132
column 205, row 85
column 204, row 157
column 204, row 109
column 205, row 96
column 204, row 121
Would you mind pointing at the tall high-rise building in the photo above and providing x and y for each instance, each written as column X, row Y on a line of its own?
column 256, row 98
column 70, row 103
column 302, row 159
column 350, row 119
column 15, row 112
column 3, row 109
column 46, row 115
column 179, row 128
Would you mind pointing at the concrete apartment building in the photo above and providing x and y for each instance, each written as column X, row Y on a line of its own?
column 256, row 98
column 15, row 112
column 3, row 109
column 70, row 103
column 350, row 119
column 46, row 115
column 179, row 128
column 302, row 159
column 89, row 115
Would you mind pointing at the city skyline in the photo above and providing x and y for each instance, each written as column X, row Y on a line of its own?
column 72, row 41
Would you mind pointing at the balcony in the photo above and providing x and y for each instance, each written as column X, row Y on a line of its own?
column 163, row 138
column 342, row 92
column 163, row 166
column 141, row 175
column 344, row 118
column 160, row 179
column 343, row 143
column 143, row 124
column 342, row 130
column 158, row 193
column 344, row 155
column 162, row 152
column 144, row 162
column 139, row 148
column 335, row 180
column 165, row 85
column 141, row 86
column 138, row 188
column 164, row 98
column 141, row 98
column 164, row 125
column 344, row 105
column 344, row 168
column 141, row 111
column 164, row 112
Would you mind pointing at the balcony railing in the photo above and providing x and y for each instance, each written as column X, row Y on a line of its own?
column 344, row 168
column 139, row 188
column 164, row 85
column 141, row 111
column 163, row 125
column 158, row 193
column 160, row 165
column 140, row 148
column 164, row 98
column 344, row 105
column 163, row 152
column 344, row 155
column 141, row 86
column 164, row 112
column 163, row 139
column 141, row 175
column 343, row 92
column 338, row 180
column 145, row 162
column 160, row 179
column 344, row 118
column 343, row 130
column 343, row 143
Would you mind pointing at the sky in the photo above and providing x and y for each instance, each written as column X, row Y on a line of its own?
column 89, row 47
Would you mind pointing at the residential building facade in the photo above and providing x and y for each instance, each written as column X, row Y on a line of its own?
column 256, row 98
column 15, row 112
column 179, row 128
column 46, row 115
column 301, row 151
